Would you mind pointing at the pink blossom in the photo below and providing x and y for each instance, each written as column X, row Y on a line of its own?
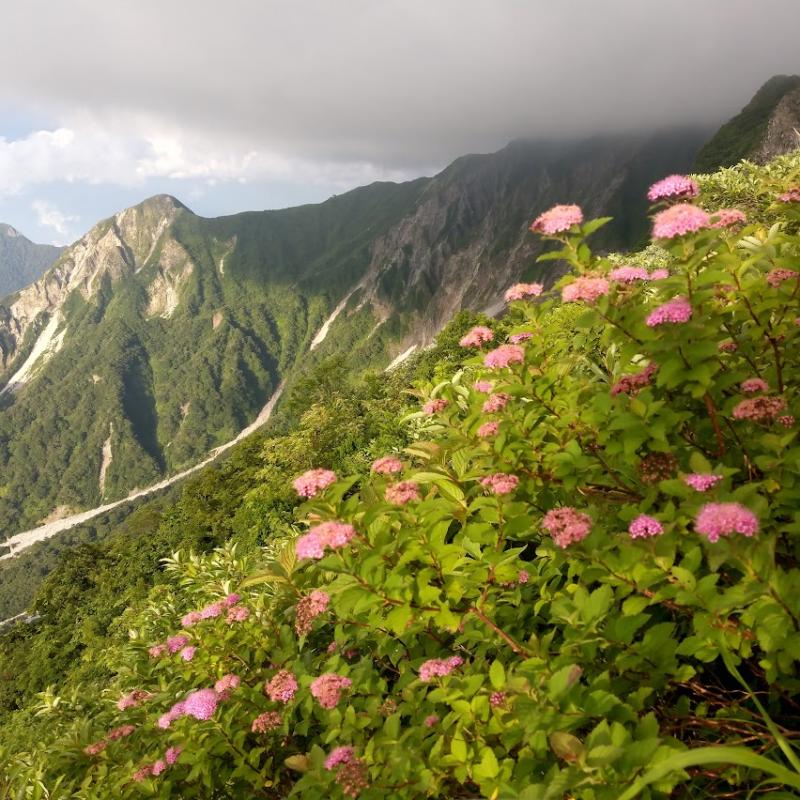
column 522, row 290
column 157, row 650
column 94, row 749
column 523, row 576
column 133, row 699
column 176, row 712
column 438, row 668
column 679, row 220
column 401, row 493
column 333, row 647
column 120, row 733
column 500, row 483
column 175, row 643
column 776, row 277
column 753, row 385
column 497, row 699
column 566, row 525
column 628, row 274
column 172, row 755
column 187, row 653
column 477, row 336
column 723, row 519
column 192, row 618
column 496, row 402
column 327, row 688
column 212, row 610
column 787, row 420
column 585, row 289
column 673, row 187
column 158, row 767
column 701, row 481
column 659, row 274
column 338, row 756
column 790, row 196
column 231, row 600
column 558, row 219
column 431, row 720
column 435, row 406
column 634, row 383
column 727, row 218
column 488, row 429
column 327, row 534
column 282, row 687
column 314, row 481
column 266, row 722
column 237, row 614
column 759, row 409
column 201, row 704
column 504, row 356
column 308, row 609
column 226, row 685
column 675, row 311
column 387, row 465
column 518, row 338
column 644, row 526
column 484, row 387
column 143, row 773
column 728, row 347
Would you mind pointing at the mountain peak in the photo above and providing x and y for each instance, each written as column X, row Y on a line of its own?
column 164, row 204
column 8, row 230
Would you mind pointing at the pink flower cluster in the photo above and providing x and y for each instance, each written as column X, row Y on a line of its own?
column 226, row 685
column 559, row 219
column 237, row 614
column 679, row 220
column 497, row 699
column 659, row 274
column 120, row 733
column 200, row 704
column 585, row 289
column 327, row 688
column 211, row 611
column 327, row 534
column 723, row 519
column 628, row 274
column 266, row 722
column 644, row 526
column 496, row 402
column 504, row 356
column 308, row 609
column 477, row 336
column 634, row 383
column 522, row 290
column 133, row 699
column 753, row 385
column 673, row 187
column 314, row 481
column 435, row 406
column 675, row 312
column 484, row 387
column 566, row 525
column 728, row 347
column 790, row 196
column 95, row 748
column 776, row 277
column 387, row 465
column 352, row 772
column 727, row 218
column 282, row 687
column 518, row 338
column 488, row 429
column 759, row 409
column 175, row 643
column 157, row 767
column 438, row 668
column 500, row 483
column 431, row 720
column 701, row 481
column 401, row 493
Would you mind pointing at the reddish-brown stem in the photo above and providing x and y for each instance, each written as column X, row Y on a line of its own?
column 509, row 640
column 712, row 413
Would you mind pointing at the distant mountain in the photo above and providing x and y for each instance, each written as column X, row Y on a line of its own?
column 21, row 260
column 159, row 334
column 767, row 126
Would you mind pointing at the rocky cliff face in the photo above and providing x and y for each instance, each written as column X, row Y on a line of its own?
column 22, row 261
column 783, row 129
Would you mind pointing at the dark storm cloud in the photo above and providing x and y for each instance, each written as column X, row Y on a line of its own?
column 394, row 82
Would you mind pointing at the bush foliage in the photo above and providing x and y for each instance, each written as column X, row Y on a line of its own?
column 578, row 579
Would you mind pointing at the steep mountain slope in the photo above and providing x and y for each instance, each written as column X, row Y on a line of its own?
column 21, row 260
column 768, row 126
column 160, row 334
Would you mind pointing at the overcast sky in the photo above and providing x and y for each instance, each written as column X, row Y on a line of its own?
column 249, row 104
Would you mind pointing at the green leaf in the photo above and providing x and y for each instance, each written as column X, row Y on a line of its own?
column 497, row 675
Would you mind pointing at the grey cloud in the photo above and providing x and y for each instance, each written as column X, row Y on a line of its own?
column 398, row 83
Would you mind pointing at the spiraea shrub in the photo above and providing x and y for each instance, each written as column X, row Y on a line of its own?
column 579, row 581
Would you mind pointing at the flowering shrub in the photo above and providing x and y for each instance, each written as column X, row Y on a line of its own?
column 591, row 594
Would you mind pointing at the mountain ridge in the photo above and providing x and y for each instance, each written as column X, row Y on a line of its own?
column 21, row 260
